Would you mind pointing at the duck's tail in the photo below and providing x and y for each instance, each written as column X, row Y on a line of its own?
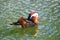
column 15, row 23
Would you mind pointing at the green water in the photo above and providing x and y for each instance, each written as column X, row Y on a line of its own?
column 49, row 23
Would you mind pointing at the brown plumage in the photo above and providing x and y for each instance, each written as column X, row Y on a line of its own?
column 24, row 23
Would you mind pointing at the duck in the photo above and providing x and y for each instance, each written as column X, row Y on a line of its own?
column 31, row 20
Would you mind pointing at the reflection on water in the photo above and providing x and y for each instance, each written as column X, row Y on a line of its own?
column 19, row 33
column 29, row 31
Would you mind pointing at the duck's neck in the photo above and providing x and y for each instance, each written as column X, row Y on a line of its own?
column 36, row 21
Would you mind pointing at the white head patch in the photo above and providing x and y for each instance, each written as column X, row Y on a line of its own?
column 36, row 14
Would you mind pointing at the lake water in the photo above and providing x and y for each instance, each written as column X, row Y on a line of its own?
column 49, row 23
